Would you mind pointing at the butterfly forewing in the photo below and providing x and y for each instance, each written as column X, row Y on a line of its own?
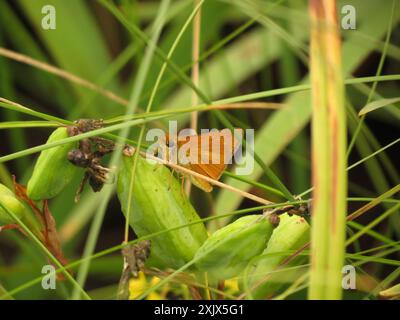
column 210, row 153
column 207, row 154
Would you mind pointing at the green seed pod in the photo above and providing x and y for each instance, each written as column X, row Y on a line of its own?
column 52, row 171
column 264, row 278
column 157, row 204
column 228, row 250
column 11, row 202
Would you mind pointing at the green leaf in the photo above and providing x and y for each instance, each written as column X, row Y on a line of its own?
column 75, row 42
column 377, row 105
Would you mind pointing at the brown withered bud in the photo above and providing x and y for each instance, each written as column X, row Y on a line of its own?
column 274, row 219
column 72, row 131
column 79, row 158
column 89, row 155
column 86, row 125
column 136, row 255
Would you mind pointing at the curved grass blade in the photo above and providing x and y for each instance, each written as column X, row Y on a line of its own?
column 377, row 105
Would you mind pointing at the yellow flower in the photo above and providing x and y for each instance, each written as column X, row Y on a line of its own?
column 232, row 286
column 139, row 285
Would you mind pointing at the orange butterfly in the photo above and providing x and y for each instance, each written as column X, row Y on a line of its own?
column 207, row 154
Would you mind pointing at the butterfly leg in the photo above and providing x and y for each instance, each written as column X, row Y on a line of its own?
column 183, row 185
column 170, row 179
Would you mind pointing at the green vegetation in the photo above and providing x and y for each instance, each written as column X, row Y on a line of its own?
column 324, row 105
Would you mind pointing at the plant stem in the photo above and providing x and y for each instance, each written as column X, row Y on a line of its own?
column 328, row 153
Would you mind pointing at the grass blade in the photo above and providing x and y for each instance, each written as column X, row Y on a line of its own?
column 377, row 105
